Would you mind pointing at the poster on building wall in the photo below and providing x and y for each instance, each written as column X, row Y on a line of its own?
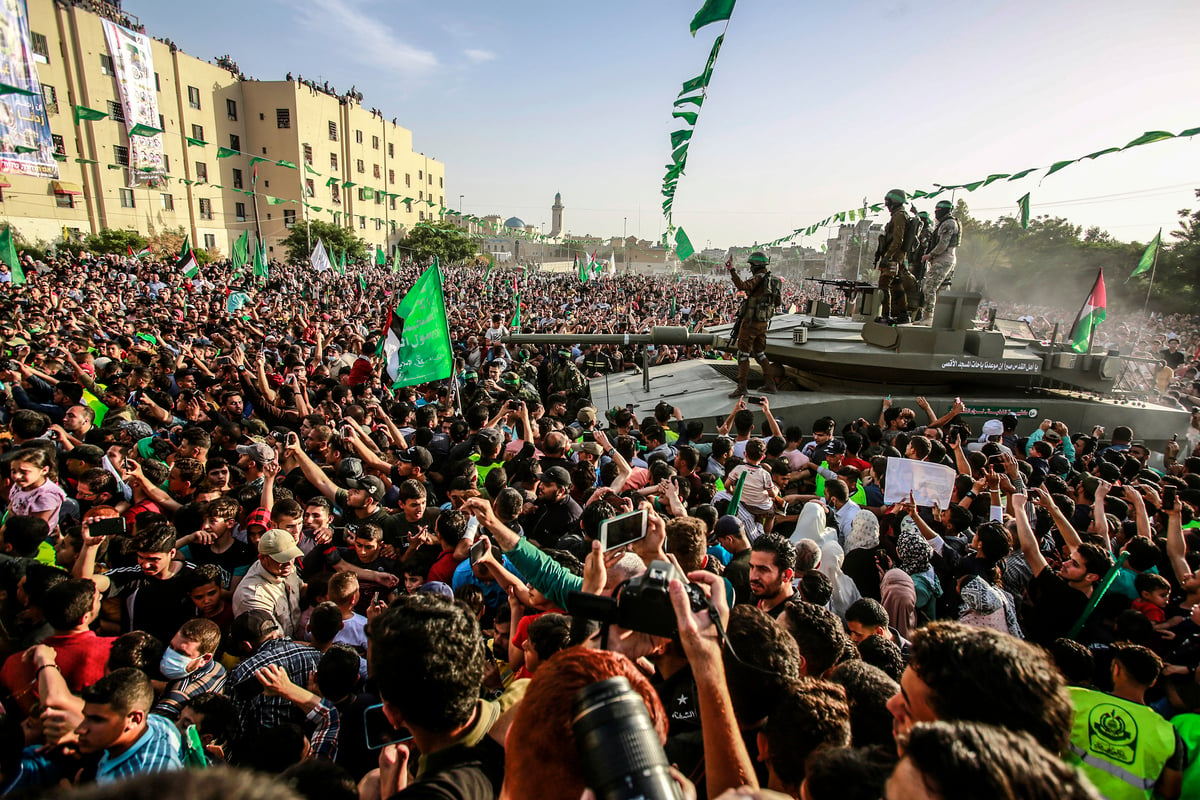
column 25, row 144
column 134, row 67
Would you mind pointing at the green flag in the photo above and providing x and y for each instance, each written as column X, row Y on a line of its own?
column 225, row 152
column 285, row 163
column 260, row 262
column 8, row 88
column 186, row 247
column 381, row 258
column 417, row 347
column 1016, row 176
column 1023, row 206
column 1148, row 137
column 278, row 201
column 1057, row 165
column 671, row 314
column 687, row 116
column 90, row 114
column 8, row 254
column 144, row 130
column 308, row 168
column 683, row 245
column 362, row 282
column 93, row 402
column 515, row 324
column 679, row 137
column 241, row 251
column 342, row 264
column 195, row 142
column 1149, row 255
column 712, row 11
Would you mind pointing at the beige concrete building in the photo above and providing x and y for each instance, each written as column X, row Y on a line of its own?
column 353, row 167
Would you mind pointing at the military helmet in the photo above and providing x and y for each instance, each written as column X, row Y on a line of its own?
column 944, row 205
column 758, row 260
column 895, row 196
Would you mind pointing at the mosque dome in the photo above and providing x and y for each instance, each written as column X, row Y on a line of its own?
column 514, row 222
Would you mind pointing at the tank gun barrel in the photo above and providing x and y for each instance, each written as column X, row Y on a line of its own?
column 668, row 335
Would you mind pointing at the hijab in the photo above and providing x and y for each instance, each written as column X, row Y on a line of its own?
column 864, row 532
column 845, row 592
column 900, row 600
column 981, row 599
column 811, row 524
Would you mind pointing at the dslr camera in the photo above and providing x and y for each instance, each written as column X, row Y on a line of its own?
column 643, row 603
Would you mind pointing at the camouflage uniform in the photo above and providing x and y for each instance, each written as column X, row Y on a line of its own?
column 894, row 279
column 940, row 269
column 754, row 319
column 565, row 377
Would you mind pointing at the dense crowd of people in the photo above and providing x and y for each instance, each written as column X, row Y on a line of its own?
column 237, row 561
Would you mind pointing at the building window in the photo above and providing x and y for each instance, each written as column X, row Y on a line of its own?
column 375, row 142
column 121, row 155
column 307, row 154
column 441, row 185
column 106, row 64
column 63, row 200
column 231, row 109
column 391, row 150
column 333, row 161
column 162, row 125
column 421, row 196
column 59, row 146
column 408, row 180
column 194, row 97
column 360, row 193
column 391, row 176
column 420, row 175
column 358, row 137
column 235, row 142
column 239, row 211
column 237, row 178
column 289, row 218
column 376, row 169
column 210, row 241
column 157, row 85
column 308, row 187
column 40, row 46
column 198, row 132
column 441, row 200
column 205, row 208
column 50, row 98
column 360, row 166
column 202, row 172
column 116, row 111
column 378, row 224
column 392, row 203
column 422, row 216
column 408, row 206
column 126, row 198
column 429, row 179
column 332, row 131
column 166, row 163
column 362, row 223
column 336, row 193
column 283, row 118
column 168, row 202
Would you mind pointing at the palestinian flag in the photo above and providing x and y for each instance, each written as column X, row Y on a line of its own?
column 1091, row 315
column 140, row 254
column 187, row 264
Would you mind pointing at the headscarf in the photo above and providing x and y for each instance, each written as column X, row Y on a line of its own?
column 900, row 599
column 913, row 550
column 845, row 592
column 981, row 599
column 811, row 524
column 864, row 532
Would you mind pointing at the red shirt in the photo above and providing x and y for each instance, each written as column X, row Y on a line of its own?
column 1150, row 611
column 80, row 657
column 443, row 569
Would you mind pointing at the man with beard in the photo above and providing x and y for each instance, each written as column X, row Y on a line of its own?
column 772, row 567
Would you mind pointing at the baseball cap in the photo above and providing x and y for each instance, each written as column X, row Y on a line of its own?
column 1059, row 465
column 348, row 469
column 260, row 517
column 279, row 545
column 498, row 362
column 370, row 484
column 592, row 448
column 438, row 588
column 257, row 451
column 728, row 526
column 137, row 429
column 835, row 447
column 557, row 475
column 586, row 415
column 417, row 456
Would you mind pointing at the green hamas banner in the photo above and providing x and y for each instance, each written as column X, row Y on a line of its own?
column 417, row 347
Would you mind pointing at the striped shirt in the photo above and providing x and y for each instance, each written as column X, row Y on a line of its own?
column 156, row 750
column 208, row 678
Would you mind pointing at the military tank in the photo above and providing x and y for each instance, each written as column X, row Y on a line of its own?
column 844, row 366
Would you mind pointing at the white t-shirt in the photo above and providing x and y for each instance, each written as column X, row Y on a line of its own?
column 353, row 632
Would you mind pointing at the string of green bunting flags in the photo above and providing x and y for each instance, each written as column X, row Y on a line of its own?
column 1150, row 137
column 687, row 107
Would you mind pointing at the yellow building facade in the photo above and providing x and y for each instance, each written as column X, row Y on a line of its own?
column 352, row 167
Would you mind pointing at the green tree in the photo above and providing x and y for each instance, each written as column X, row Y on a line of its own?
column 335, row 238
column 114, row 241
column 441, row 239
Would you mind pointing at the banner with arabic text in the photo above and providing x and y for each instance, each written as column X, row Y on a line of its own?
column 134, row 67
column 25, row 144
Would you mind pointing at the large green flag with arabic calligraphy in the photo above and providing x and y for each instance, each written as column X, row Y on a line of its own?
column 417, row 346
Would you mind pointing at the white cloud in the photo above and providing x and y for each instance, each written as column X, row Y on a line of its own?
column 363, row 37
column 479, row 56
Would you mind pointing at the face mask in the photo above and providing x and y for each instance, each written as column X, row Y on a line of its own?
column 174, row 664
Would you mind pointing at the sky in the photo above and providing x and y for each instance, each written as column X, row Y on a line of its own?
column 811, row 108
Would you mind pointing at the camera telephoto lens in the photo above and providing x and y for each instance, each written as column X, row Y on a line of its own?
column 618, row 747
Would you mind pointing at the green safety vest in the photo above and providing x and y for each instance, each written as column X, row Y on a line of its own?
column 1121, row 746
column 482, row 470
column 860, row 493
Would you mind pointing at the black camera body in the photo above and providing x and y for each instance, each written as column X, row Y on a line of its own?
column 643, row 603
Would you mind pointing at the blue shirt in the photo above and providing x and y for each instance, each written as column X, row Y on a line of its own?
column 156, row 750
column 493, row 594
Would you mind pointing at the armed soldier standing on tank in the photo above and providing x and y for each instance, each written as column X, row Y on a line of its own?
column 940, row 258
column 894, row 278
column 565, row 377
column 763, row 292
